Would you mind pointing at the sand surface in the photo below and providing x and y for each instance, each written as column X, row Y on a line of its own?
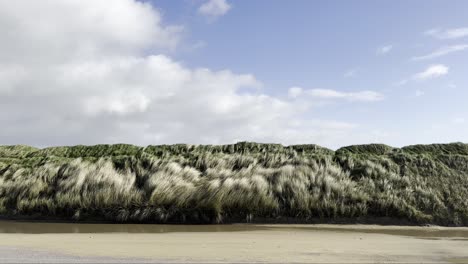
column 266, row 243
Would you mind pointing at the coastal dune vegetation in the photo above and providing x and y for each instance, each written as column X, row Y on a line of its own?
column 243, row 182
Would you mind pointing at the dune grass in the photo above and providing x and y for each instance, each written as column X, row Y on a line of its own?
column 243, row 182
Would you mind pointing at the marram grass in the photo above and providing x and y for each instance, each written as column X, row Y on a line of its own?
column 243, row 182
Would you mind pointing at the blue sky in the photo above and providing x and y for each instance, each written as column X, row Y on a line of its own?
column 332, row 73
column 333, row 45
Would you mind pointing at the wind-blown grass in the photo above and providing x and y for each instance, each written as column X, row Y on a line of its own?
column 237, row 183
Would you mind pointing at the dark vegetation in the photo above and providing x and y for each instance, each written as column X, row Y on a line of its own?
column 244, row 182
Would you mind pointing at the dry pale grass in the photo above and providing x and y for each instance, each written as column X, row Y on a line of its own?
column 235, row 183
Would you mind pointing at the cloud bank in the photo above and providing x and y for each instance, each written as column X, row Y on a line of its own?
column 86, row 72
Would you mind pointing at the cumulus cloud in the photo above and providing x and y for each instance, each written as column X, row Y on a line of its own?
column 384, row 49
column 442, row 52
column 214, row 8
column 453, row 33
column 329, row 94
column 431, row 72
column 86, row 72
column 65, row 30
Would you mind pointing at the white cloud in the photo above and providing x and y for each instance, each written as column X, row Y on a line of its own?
column 116, row 103
column 351, row 73
column 453, row 33
column 419, row 93
column 294, row 92
column 401, row 83
column 458, row 120
column 214, row 8
column 384, row 49
column 328, row 94
column 80, row 30
column 451, row 86
column 442, row 51
column 86, row 72
column 431, row 72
